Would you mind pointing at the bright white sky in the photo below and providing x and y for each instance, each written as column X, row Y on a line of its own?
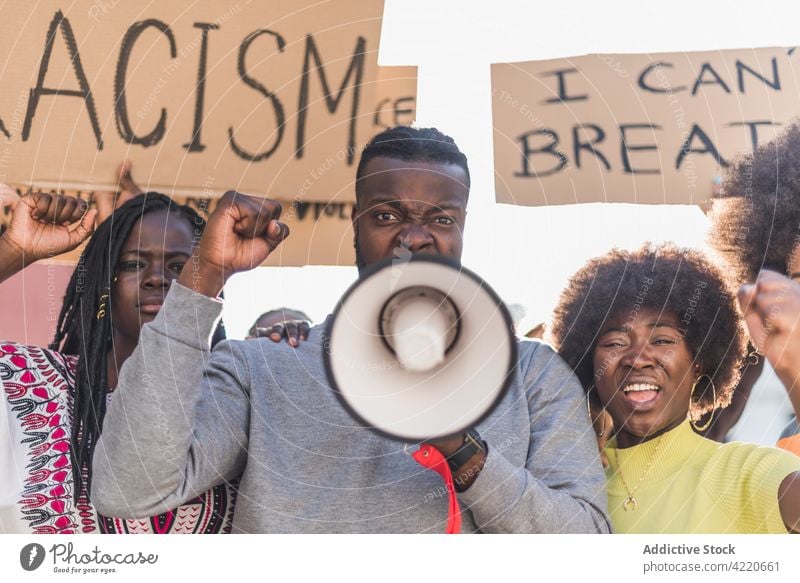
column 525, row 253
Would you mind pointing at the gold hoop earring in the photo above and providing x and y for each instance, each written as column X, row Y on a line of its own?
column 714, row 403
column 589, row 409
column 101, row 310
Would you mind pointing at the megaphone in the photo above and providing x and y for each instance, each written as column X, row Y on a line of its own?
column 420, row 348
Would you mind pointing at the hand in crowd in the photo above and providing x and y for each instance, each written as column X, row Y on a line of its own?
column 293, row 331
column 43, row 225
column 771, row 308
column 108, row 202
column 241, row 233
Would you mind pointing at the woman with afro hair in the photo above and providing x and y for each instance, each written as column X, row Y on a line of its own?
column 756, row 228
column 656, row 340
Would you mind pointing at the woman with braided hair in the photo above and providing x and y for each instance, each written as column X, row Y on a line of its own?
column 55, row 398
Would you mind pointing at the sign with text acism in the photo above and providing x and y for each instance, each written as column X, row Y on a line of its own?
column 321, row 233
column 270, row 98
column 653, row 129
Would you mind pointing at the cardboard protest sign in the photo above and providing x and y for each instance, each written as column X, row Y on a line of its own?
column 635, row 128
column 395, row 98
column 205, row 98
column 320, row 232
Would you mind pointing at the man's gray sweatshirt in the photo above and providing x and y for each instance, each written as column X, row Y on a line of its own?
column 185, row 419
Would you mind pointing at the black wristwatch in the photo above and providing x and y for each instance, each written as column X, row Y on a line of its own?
column 472, row 444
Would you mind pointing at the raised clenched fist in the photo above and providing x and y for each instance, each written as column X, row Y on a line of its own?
column 45, row 225
column 241, row 233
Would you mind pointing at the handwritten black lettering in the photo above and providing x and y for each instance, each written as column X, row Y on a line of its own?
column 280, row 116
column 120, row 101
column 708, row 147
column 665, row 88
column 60, row 22
column 753, row 125
column 717, row 80
column 548, row 149
column 588, row 145
column 741, row 68
column 562, row 87
column 196, row 143
column 356, row 71
column 626, row 147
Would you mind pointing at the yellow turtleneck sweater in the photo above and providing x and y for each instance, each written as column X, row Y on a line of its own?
column 695, row 485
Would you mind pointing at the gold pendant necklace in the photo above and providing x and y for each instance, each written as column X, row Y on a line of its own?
column 631, row 503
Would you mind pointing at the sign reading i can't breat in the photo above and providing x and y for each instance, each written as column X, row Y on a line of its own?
column 644, row 128
column 251, row 96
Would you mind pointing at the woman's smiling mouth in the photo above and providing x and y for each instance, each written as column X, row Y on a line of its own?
column 641, row 395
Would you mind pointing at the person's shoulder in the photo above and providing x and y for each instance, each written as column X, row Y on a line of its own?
column 534, row 350
column 255, row 350
column 702, row 448
column 15, row 354
column 537, row 357
column 747, row 458
column 543, row 372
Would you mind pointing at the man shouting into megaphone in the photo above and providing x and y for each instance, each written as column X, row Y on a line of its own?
column 185, row 418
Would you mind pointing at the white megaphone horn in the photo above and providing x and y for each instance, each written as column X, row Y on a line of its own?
column 420, row 348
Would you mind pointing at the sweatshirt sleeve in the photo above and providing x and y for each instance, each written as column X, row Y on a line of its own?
column 561, row 489
column 177, row 423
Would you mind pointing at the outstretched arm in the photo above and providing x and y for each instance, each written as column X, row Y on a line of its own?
column 771, row 307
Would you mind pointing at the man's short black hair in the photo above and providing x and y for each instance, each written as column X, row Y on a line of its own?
column 412, row 145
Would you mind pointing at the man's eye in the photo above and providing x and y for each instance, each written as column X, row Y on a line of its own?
column 131, row 265
column 444, row 220
column 177, row 267
column 385, row 216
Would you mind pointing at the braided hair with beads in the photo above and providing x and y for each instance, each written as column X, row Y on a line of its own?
column 82, row 333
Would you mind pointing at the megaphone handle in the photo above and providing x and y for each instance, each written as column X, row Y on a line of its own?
column 431, row 458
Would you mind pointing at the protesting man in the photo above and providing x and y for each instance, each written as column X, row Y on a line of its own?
column 265, row 411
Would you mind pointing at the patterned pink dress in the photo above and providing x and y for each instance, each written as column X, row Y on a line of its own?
column 36, row 482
